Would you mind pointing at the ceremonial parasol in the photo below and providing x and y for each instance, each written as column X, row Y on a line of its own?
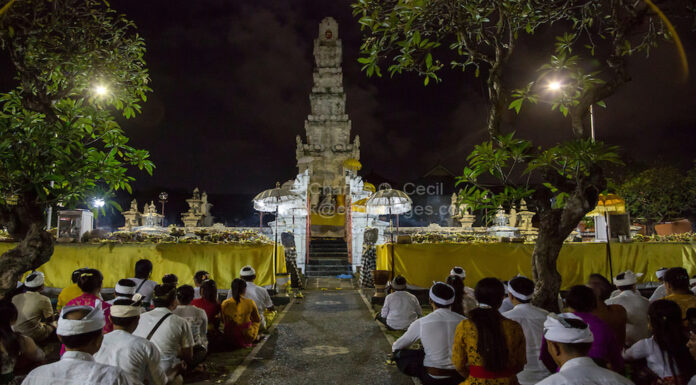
column 389, row 201
column 273, row 200
column 608, row 204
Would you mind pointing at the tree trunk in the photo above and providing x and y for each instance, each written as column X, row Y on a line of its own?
column 544, row 257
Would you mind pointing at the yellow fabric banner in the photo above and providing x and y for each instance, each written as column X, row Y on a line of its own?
column 421, row 264
column 116, row 261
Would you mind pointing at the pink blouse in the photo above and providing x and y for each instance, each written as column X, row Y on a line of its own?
column 88, row 299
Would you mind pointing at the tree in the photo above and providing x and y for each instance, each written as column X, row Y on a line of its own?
column 78, row 64
column 410, row 34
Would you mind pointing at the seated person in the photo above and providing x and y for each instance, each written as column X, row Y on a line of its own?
column 255, row 293
column 170, row 333
column 125, row 288
column 35, row 313
column 136, row 356
column 209, row 303
column 90, row 282
column 568, row 340
column 433, row 365
column 197, row 319
column 144, row 285
column 240, row 316
column 198, row 278
column 635, row 304
column 80, row 330
column 677, row 287
column 69, row 292
column 400, row 308
column 14, row 346
column 170, row 279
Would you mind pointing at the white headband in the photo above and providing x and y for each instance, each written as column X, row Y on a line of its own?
column 441, row 301
column 517, row 294
column 124, row 290
column 124, row 311
column 247, row 271
column 556, row 329
column 397, row 286
column 630, row 278
column 461, row 274
column 93, row 321
column 660, row 273
column 35, row 279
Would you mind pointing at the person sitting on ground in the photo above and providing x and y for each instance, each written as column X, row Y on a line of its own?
column 69, row 292
column 489, row 348
column 677, row 287
column 400, row 308
column 125, row 288
column 462, row 303
column 170, row 333
column 433, row 364
column 612, row 314
column 660, row 292
column 36, row 318
column 197, row 319
column 80, row 330
column 170, row 279
column 531, row 318
column 90, row 282
column 461, row 273
column 255, row 293
column 606, row 350
column 568, row 339
column 209, row 303
column 240, row 317
column 144, row 285
column 635, row 304
column 13, row 345
column 507, row 304
column 666, row 352
column 198, row 279
column 136, row 356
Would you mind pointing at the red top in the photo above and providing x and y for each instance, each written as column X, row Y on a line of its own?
column 212, row 309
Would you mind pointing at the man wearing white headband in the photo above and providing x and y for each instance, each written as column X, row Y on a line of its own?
column 436, row 333
column 255, row 293
column 635, row 304
column 124, row 289
column 569, row 339
column 660, row 292
column 461, row 273
column 80, row 330
column 400, row 308
column 35, row 316
column 531, row 318
column 136, row 356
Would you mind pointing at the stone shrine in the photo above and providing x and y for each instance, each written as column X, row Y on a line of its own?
column 198, row 214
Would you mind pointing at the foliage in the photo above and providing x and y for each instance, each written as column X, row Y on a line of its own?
column 672, row 238
column 59, row 139
column 242, row 237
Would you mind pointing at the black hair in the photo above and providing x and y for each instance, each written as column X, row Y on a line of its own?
column 401, row 281
column 143, row 269
column 27, row 288
column 79, row 340
column 185, row 294
column 605, row 287
column 522, row 285
column 164, row 295
column 443, row 291
column 248, row 278
column 238, row 288
column 209, row 291
column 458, row 270
column 200, row 276
column 666, row 322
column 491, row 344
column 458, row 286
column 90, row 280
column 30, row 278
column 581, row 298
column 76, row 274
column 8, row 338
column 170, row 278
column 678, row 278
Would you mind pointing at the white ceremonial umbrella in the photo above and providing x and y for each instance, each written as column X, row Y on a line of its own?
column 389, row 201
column 273, row 200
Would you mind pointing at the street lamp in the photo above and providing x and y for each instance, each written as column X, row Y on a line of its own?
column 101, row 90
column 98, row 203
column 555, row 86
column 163, row 196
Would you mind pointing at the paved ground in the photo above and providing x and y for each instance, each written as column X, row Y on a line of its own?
column 329, row 337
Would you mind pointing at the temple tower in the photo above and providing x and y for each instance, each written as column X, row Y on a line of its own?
column 328, row 142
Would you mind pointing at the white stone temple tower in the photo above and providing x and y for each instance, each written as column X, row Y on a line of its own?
column 328, row 144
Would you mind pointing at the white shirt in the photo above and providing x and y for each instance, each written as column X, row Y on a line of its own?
column 136, row 356
column 506, row 305
column 436, row 333
column 636, row 314
column 198, row 321
column 174, row 334
column 584, row 371
column 647, row 348
column 400, row 309
column 531, row 318
column 76, row 368
column 196, row 292
column 146, row 289
column 260, row 297
column 659, row 293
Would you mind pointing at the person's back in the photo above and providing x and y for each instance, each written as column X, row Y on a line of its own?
column 400, row 308
column 143, row 284
column 240, row 316
column 35, row 312
column 128, row 352
column 636, row 314
column 196, row 317
column 677, row 286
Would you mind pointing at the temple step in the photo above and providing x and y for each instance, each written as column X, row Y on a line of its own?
column 327, row 257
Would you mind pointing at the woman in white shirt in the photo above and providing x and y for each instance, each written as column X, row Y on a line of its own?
column 666, row 352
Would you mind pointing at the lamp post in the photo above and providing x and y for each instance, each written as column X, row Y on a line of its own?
column 98, row 203
column 163, row 196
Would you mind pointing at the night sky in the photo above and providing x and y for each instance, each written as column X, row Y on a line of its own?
column 231, row 82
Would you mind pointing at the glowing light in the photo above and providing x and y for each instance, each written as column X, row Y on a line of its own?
column 101, row 90
column 554, row 85
column 98, row 202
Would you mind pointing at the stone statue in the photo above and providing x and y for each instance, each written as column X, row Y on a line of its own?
column 151, row 208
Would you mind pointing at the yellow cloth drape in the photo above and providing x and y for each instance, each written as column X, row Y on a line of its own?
column 116, row 261
column 421, row 264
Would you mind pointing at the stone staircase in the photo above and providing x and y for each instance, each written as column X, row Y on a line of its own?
column 327, row 258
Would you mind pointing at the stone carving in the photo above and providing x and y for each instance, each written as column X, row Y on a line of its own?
column 198, row 214
column 132, row 217
column 524, row 222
